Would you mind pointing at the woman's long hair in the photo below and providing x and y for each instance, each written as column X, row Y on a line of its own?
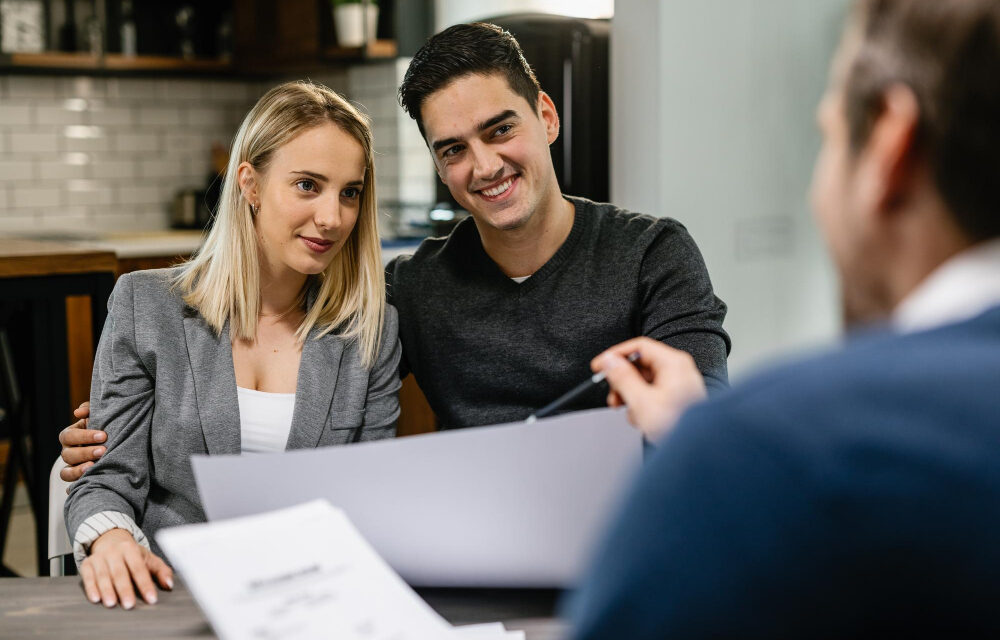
column 222, row 280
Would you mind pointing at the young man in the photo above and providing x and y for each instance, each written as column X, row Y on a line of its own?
column 503, row 316
column 856, row 494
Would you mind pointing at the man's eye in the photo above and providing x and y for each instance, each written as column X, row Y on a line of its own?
column 503, row 129
column 306, row 185
column 451, row 151
column 351, row 192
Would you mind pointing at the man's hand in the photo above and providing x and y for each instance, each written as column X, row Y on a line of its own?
column 116, row 561
column 80, row 446
column 657, row 390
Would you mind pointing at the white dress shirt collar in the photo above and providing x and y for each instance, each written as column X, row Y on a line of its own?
column 960, row 289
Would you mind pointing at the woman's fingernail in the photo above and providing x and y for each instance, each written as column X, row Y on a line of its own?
column 99, row 451
column 170, row 583
column 151, row 597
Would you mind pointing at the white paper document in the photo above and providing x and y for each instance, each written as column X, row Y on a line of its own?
column 301, row 572
column 518, row 505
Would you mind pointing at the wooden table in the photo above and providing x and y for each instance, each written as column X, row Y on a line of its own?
column 40, row 276
column 56, row 608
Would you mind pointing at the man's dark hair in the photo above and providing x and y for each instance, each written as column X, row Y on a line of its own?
column 462, row 50
column 948, row 53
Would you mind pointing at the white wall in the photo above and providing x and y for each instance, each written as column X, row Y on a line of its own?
column 713, row 124
column 449, row 12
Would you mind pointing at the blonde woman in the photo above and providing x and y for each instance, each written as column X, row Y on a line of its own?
column 274, row 336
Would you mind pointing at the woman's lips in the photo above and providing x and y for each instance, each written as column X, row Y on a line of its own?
column 317, row 245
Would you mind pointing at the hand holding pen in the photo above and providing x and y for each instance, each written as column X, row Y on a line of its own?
column 662, row 383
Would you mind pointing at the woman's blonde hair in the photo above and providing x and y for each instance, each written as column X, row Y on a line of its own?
column 222, row 281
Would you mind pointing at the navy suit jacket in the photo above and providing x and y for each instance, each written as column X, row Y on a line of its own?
column 855, row 494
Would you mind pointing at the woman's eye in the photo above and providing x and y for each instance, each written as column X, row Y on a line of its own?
column 351, row 192
column 306, row 185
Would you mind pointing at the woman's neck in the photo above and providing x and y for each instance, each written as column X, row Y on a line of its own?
column 279, row 291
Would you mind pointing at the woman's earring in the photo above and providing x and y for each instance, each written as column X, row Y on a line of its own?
column 254, row 208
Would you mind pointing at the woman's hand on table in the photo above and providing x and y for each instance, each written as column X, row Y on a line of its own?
column 117, row 563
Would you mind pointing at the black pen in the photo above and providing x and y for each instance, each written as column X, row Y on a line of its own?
column 576, row 392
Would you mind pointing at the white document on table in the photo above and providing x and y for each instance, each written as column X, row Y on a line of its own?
column 301, row 572
column 517, row 505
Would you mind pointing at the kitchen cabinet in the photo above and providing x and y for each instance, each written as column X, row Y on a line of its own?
column 246, row 37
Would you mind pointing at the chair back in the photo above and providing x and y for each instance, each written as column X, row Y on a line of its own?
column 59, row 543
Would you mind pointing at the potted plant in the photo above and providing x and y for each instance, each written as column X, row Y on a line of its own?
column 355, row 21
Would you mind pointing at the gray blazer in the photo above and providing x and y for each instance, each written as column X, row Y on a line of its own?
column 164, row 388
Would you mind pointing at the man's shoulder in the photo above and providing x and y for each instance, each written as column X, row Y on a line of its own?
column 434, row 256
column 615, row 229
column 878, row 388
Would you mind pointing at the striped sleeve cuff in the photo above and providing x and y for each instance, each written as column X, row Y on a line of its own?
column 93, row 527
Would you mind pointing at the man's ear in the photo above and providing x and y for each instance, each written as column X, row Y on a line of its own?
column 548, row 114
column 890, row 157
column 246, row 178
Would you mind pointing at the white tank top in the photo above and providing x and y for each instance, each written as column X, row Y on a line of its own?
column 265, row 420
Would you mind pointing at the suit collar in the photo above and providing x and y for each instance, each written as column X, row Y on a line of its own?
column 318, row 373
column 211, row 358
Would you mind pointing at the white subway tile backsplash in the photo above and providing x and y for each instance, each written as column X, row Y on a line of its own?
column 158, row 168
column 207, row 117
column 128, row 142
column 15, row 114
column 106, row 114
column 11, row 170
column 181, row 90
column 88, row 192
column 159, row 116
column 106, row 168
column 18, row 221
column 61, row 169
column 32, row 87
column 132, row 89
column 66, row 219
column 85, row 87
column 58, row 114
column 33, row 142
column 97, row 143
column 141, row 194
column 32, row 196
column 130, row 219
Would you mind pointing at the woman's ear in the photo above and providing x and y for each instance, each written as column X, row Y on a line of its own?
column 246, row 178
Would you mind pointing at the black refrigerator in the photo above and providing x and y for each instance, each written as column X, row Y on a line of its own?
column 570, row 59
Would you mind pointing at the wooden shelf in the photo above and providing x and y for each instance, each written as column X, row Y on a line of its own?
column 374, row 50
column 59, row 61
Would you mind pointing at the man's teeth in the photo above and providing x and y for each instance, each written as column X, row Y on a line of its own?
column 500, row 188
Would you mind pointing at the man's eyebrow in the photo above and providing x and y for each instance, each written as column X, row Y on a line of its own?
column 482, row 126
column 497, row 119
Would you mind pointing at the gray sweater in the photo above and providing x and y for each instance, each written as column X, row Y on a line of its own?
column 485, row 349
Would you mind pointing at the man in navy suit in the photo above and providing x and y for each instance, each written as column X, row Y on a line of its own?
column 857, row 493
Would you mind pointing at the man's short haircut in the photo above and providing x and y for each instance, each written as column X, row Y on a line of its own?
column 948, row 53
column 463, row 50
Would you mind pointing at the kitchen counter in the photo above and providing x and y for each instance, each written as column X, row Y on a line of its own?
column 170, row 243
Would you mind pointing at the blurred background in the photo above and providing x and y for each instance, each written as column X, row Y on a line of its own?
column 116, row 117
